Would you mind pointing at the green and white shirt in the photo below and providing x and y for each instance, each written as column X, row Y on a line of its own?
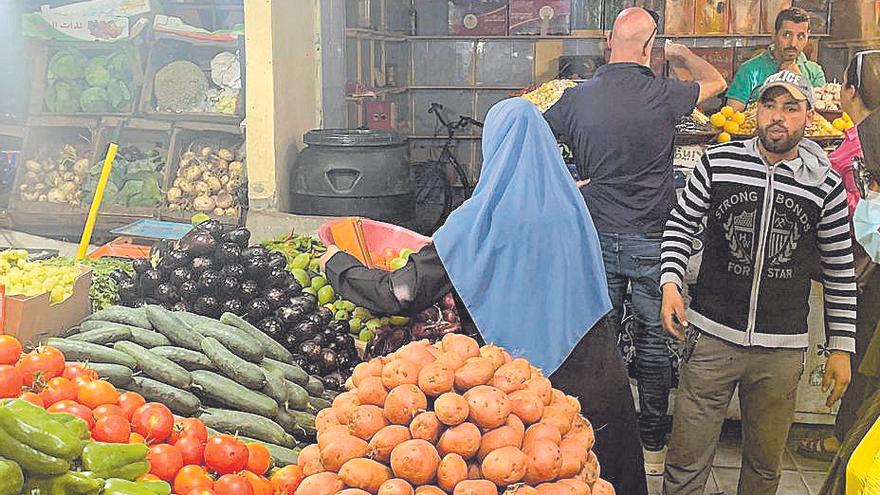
column 752, row 74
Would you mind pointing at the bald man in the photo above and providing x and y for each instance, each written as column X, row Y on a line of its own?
column 621, row 125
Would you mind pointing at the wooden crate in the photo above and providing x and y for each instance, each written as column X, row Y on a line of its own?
column 191, row 137
column 40, row 65
column 164, row 51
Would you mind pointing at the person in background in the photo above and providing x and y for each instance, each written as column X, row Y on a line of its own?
column 859, row 97
column 774, row 211
column 792, row 33
column 522, row 257
column 621, row 125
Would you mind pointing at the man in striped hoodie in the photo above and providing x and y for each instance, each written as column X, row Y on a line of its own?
column 774, row 213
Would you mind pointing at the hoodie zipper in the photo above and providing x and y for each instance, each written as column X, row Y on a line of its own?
column 759, row 256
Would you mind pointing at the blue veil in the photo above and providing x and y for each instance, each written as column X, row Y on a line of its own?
column 522, row 252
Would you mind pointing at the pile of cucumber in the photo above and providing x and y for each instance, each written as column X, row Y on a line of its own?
column 228, row 373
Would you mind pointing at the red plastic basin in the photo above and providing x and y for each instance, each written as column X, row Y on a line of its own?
column 380, row 236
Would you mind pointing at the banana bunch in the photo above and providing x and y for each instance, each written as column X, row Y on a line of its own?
column 548, row 93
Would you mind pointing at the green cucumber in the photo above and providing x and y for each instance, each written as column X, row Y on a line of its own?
column 148, row 338
column 251, row 425
column 118, row 375
column 179, row 401
column 169, row 325
column 291, row 371
column 297, row 397
column 275, row 384
column 237, row 341
column 281, row 456
column 193, row 319
column 155, row 366
column 232, row 394
column 190, row 360
column 273, row 349
column 103, row 335
column 318, row 403
column 93, row 353
column 248, row 374
column 315, row 386
column 121, row 314
column 296, row 420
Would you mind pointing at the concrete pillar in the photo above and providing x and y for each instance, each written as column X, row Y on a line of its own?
column 283, row 71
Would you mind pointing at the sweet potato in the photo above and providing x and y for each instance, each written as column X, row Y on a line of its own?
column 384, row 441
column 464, row 346
column 396, row 486
column 538, row 432
column 365, row 474
column 582, row 432
column 320, row 484
column 310, row 460
column 512, row 376
column 573, row 459
column 353, row 491
column 505, row 466
column 541, row 387
column 545, row 460
column 554, row 489
column 558, row 416
column 343, row 406
column 591, row 470
column 493, row 353
column 429, row 490
column 328, row 435
column 503, row 436
column 417, row 352
column 463, row 439
column 372, row 391
column 514, row 422
column 400, row 371
column 363, row 370
column 602, row 487
column 578, row 487
column 476, row 371
column 475, row 487
column 342, row 449
column 426, row 427
column 521, row 489
column 489, row 407
column 325, row 419
column 404, row 402
column 451, row 360
column 528, row 406
column 366, row 421
column 415, row 461
column 436, row 379
column 451, row 471
column 451, row 409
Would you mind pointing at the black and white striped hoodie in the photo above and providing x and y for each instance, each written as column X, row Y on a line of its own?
column 768, row 231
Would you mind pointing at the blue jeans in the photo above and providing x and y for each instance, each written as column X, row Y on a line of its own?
column 633, row 260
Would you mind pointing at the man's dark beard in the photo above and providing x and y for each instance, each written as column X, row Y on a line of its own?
column 780, row 147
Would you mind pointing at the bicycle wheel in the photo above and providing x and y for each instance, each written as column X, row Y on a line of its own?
column 432, row 201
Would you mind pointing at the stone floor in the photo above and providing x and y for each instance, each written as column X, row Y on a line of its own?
column 800, row 476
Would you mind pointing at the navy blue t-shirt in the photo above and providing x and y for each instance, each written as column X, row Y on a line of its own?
column 621, row 125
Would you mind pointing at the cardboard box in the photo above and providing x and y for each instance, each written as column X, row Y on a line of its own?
column 712, row 17
column 679, row 17
column 745, row 16
column 540, row 17
column 30, row 319
column 478, row 17
column 855, row 19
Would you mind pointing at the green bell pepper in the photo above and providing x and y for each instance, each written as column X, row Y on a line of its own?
column 132, row 471
column 39, row 430
column 116, row 486
column 116, row 460
column 29, row 458
column 11, row 477
column 69, row 483
column 158, row 487
column 79, row 427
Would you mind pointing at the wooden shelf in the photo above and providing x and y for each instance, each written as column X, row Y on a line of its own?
column 377, row 93
column 374, row 35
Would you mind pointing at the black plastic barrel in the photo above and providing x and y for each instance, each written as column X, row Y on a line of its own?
column 353, row 172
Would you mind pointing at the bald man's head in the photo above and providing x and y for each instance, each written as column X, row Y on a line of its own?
column 633, row 28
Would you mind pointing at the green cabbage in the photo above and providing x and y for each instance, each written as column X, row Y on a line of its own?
column 94, row 100
column 119, row 64
column 63, row 96
column 119, row 95
column 96, row 72
column 67, row 64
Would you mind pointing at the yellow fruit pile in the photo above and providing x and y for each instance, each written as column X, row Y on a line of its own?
column 729, row 121
column 31, row 278
column 843, row 123
column 548, row 93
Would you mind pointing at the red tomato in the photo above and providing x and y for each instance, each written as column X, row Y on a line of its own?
column 129, row 402
column 72, row 371
column 188, row 427
column 108, row 410
column 200, row 491
column 259, row 484
column 190, row 478
column 58, row 389
column 42, row 364
column 75, row 409
column 259, row 459
column 225, row 454
column 97, row 393
column 233, row 484
column 81, row 380
column 32, row 398
column 153, row 421
column 286, row 480
column 10, row 349
column 111, row 429
column 192, row 449
column 10, row 381
column 165, row 461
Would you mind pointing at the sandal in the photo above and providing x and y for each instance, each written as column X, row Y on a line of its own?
column 815, row 448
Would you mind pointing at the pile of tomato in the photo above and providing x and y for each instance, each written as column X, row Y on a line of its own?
column 181, row 451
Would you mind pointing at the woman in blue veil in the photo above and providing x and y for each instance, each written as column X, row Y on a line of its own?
column 522, row 258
